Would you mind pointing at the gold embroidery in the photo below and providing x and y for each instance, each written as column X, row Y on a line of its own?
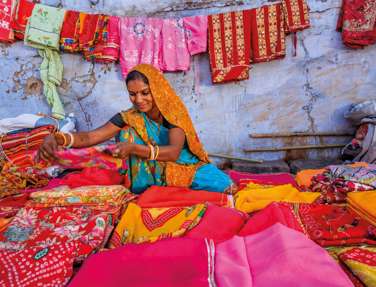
column 260, row 19
column 240, row 42
column 227, row 21
column 217, row 40
column 366, row 24
column 181, row 175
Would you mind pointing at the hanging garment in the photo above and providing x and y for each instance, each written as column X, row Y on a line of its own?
column 70, row 31
column 139, row 225
column 196, row 32
column 22, row 12
column 6, row 32
column 335, row 225
column 364, row 204
column 229, row 46
column 256, row 197
column 277, row 256
column 357, row 22
column 190, row 263
column 362, row 263
column 43, row 32
column 267, row 33
column 296, row 15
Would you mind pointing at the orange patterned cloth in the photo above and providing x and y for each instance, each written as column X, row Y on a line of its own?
column 296, row 15
column 229, row 46
column 174, row 111
column 268, row 35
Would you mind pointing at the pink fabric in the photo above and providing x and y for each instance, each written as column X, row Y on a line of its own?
column 242, row 178
column 196, row 31
column 277, row 256
column 218, row 224
column 276, row 212
column 166, row 263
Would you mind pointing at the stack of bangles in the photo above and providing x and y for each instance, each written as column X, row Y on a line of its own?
column 66, row 143
column 154, row 152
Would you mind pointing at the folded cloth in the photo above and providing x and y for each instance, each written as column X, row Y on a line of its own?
column 22, row 12
column 335, row 225
column 139, row 225
column 150, row 265
column 274, row 257
column 357, row 174
column 9, row 206
column 229, row 46
column 267, row 33
column 296, row 15
column 6, row 32
column 362, row 263
column 251, row 199
column 168, row 196
column 218, row 224
column 363, row 203
column 304, row 177
column 91, row 26
column 276, row 212
column 70, row 32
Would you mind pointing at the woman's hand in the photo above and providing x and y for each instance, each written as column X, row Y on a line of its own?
column 47, row 150
column 123, row 150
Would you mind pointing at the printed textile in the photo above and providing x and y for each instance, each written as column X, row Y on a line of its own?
column 296, row 15
column 6, row 32
column 22, row 12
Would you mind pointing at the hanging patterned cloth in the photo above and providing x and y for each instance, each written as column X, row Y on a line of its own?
column 229, row 46
column 70, row 30
column 267, row 32
column 6, row 33
column 296, row 15
column 22, row 12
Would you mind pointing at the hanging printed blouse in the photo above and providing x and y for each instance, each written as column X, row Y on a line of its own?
column 358, row 23
column 229, row 46
column 268, row 36
column 22, row 13
column 70, row 32
column 6, row 33
column 296, row 15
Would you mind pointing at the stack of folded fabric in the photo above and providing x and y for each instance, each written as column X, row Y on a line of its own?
column 363, row 203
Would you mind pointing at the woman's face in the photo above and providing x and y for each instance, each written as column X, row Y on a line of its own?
column 140, row 95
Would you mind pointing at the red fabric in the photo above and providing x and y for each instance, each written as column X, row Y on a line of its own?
column 219, row 224
column 171, row 262
column 274, row 213
column 90, row 25
column 241, row 179
column 330, row 225
column 166, row 196
column 357, row 22
column 267, row 33
column 10, row 205
column 70, row 32
column 229, row 46
column 21, row 16
column 38, row 266
column 6, row 33
column 360, row 255
column 296, row 15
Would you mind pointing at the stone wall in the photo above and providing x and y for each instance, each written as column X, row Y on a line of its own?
column 306, row 93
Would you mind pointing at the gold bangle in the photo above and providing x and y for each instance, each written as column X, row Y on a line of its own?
column 157, row 152
column 63, row 136
column 151, row 156
column 71, row 140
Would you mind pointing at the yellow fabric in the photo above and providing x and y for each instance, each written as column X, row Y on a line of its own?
column 174, row 111
column 139, row 225
column 251, row 199
column 364, row 203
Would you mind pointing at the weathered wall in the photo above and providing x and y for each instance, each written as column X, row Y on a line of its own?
column 308, row 92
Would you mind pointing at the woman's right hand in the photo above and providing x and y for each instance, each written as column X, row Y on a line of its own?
column 47, row 150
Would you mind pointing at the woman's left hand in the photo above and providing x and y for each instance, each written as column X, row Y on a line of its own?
column 123, row 150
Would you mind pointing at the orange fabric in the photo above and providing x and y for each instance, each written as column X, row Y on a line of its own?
column 304, row 177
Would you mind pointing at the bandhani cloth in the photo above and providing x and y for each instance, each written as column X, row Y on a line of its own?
column 18, row 149
column 296, row 15
column 275, row 257
column 335, row 225
column 256, row 197
column 267, row 33
column 6, row 32
column 70, row 32
column 229, row 37
column 15, row 181
column 139, row 225
column 169, row 196
column 357, row 22
column 106, row 50
column 192, row 264
column 276, row 212
column 362, row 263
column 38, row 266
column 192, row 169
column 22, row 12
column 363, row 203
column 33, row 227
column 218, row 224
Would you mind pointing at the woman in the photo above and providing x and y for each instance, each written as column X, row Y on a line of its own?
column 156, row 137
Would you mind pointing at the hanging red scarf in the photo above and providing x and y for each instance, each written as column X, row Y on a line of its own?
column 21, row 15
column 6, row 33
column 229, row 46
column 268, row 36
column 70, row 32
column 357, row 22
column 296, row 15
